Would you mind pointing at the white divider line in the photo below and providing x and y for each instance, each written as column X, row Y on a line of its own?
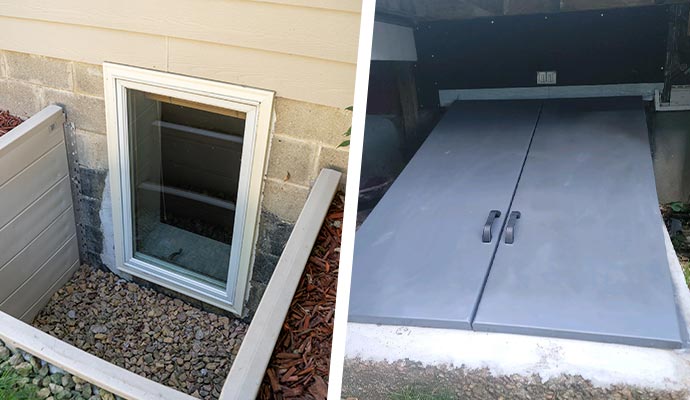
column 79, row 363
column 248, row 369
column 342, row 302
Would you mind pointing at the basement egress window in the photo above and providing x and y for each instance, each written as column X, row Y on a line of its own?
column 187, row 157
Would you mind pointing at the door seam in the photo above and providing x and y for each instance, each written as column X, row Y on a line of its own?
column 475, row 308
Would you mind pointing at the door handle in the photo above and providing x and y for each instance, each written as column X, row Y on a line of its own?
column 486, row 235
column 510, row 226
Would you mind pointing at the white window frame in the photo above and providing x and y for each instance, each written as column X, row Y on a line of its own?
column 258, row 106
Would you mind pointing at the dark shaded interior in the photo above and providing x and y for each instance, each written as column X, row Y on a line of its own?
column 185, row 175
column 482, row 45
column 200, row 164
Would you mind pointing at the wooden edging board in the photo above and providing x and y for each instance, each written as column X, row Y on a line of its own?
column 79, row 363
column 247, row 372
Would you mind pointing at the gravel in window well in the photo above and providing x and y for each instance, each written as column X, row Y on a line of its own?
column 156, row 336
column 25, row 377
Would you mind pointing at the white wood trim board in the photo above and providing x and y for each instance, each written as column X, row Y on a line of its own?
column 248, row 369
column 77, row 362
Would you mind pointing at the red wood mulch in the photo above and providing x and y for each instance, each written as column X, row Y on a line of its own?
column 299, row 366
column 8, row 121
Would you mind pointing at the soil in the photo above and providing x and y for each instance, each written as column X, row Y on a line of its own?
column 8, row 122
column 681, row 213
column 365, row 380
column 151, row 334
column 300, row 362
column 677, row 221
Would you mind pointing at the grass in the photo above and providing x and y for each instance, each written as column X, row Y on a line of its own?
column 416, row 393
column 11, row 387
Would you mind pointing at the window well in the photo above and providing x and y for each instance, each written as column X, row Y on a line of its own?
column 186, row 159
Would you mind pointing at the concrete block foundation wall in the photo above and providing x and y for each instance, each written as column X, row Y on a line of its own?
column 304, row 140
column 671, row 149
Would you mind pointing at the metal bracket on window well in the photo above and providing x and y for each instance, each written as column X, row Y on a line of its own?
column 75, row 181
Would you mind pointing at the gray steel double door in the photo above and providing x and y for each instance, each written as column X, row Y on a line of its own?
column 419, row 257
column 587, row 259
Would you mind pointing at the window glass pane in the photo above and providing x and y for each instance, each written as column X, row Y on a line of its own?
column 185, row 164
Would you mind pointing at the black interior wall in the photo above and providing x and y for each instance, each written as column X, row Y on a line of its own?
column 201, row 164
column 585, row 48
column 617, row 46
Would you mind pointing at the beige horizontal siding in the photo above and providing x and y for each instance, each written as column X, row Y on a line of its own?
column 339, row 5
column 301, row 49
column 314, row 81
column 309, row 32
column 84, row 44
